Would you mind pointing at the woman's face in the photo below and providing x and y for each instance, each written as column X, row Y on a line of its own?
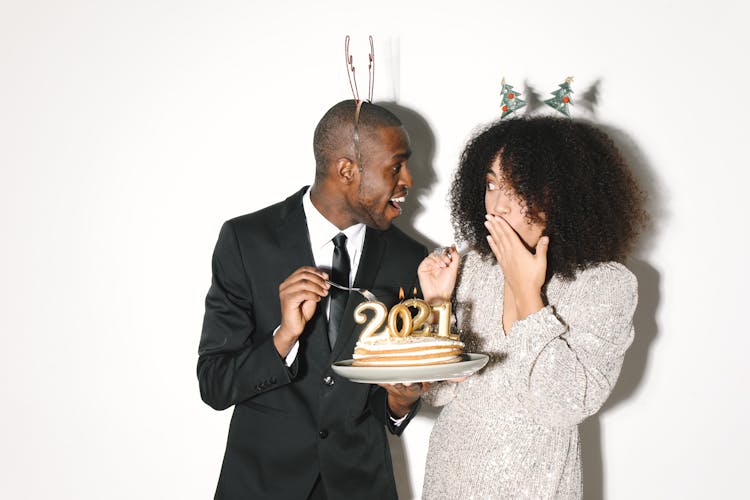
column 500, row 199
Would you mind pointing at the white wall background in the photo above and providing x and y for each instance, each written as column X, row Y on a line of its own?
column 130, row 130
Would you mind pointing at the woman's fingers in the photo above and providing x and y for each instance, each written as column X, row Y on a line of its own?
column 541, row 247
column 444, row 256
column 503, row 233
column 440, row 258
column 503, row 228
column 437, row 274
column 495, row 249
column 505, row 243
column 499, row 237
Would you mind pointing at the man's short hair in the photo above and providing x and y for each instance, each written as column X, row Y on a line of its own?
column 334, row 135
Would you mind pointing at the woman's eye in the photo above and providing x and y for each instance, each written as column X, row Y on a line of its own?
column 491, row 186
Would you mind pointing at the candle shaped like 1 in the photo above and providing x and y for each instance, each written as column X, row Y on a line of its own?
column 444, row 319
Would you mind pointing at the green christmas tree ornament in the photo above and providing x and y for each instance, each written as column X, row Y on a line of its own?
column 562, row 97
column 511, row 100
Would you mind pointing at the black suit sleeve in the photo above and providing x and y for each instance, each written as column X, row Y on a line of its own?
column 378, row 403
column 235, row 361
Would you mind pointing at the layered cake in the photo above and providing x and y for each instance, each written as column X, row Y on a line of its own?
column 407, row 339
column 407, row 351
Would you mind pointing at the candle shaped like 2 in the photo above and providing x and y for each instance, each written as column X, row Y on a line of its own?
column 370, row 333
column 419, row 326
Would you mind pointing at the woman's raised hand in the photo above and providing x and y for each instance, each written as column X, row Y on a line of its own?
column 437, row 275
column 524, row 271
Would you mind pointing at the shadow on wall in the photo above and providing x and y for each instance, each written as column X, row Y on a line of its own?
column 423, row 174
column 585, row 101
column 421, row 168
column 644, row 320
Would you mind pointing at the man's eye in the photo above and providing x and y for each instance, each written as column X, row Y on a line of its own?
column 396, row 169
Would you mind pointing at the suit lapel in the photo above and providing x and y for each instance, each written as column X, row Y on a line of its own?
column 292, row 234
column 369, row 264
column 296, row 251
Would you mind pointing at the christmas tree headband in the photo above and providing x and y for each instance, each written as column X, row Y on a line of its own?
column 560, row 102
column 351, row 73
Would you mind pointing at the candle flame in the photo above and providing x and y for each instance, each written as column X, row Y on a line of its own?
column 400, row 293
column 414, row 292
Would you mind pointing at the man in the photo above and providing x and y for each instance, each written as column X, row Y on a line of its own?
column 273, row 325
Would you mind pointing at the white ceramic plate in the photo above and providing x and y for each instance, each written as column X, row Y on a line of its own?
column 395, row 374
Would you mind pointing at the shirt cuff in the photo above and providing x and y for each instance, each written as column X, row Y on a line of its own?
column 397, row 421
column 292, row 355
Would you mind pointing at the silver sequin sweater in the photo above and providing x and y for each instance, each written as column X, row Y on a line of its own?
column 511, row 430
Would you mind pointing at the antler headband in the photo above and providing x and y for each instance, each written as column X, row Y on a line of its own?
column 352, row 75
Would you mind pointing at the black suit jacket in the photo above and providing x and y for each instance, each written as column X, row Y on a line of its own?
column 291, row 424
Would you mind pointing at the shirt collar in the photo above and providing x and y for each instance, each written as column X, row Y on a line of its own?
column 322, row 231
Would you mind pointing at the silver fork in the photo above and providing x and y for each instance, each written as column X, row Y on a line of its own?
column 365, row 293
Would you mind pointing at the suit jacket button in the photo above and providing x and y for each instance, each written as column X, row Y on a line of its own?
column 323, row 434
column 328, row 380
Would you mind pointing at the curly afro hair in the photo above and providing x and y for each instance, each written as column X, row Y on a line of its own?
column 567, row 170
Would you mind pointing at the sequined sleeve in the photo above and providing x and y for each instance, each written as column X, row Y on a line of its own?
column 567, row 359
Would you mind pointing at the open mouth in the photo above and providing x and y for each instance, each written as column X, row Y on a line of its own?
column 396, row 201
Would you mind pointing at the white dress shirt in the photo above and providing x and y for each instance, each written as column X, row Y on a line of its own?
column 322, row 232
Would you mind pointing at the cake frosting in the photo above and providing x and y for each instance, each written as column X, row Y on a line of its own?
column 407, row 351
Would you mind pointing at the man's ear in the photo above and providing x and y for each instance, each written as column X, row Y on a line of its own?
column 346, row 169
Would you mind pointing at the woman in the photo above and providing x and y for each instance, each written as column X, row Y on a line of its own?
column 550, row 211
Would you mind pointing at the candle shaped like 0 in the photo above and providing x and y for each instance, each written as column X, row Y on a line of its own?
column 400, row 311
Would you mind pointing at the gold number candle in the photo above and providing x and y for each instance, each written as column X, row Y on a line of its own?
column 444, row 319
column 419, row 325
column 399, row 311
column 370, row 333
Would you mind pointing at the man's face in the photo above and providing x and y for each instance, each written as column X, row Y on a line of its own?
column 382, row 185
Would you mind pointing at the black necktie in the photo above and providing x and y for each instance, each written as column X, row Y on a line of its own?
column 339, row 274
